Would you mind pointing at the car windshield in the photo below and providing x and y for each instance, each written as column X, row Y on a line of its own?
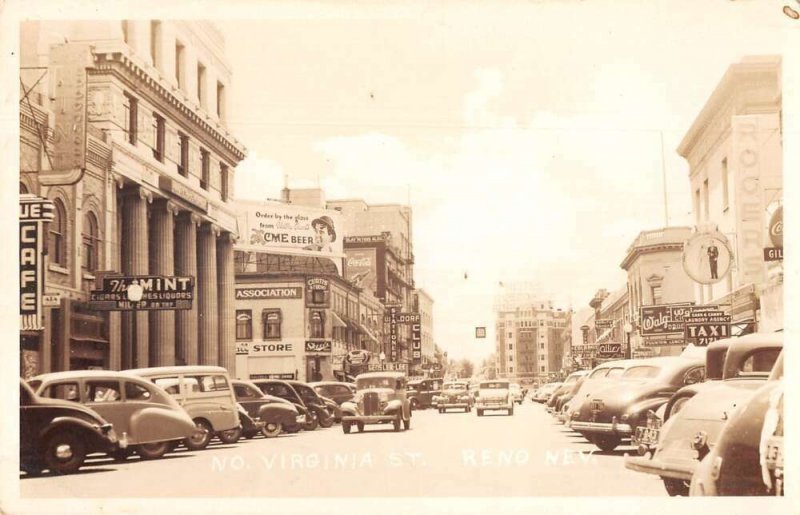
column 641, row 372
column 615, row 372
column 455, row 386
column 366, row 383
column 495, row 384
column 601, row 372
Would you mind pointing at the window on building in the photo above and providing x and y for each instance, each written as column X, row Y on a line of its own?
column 206, row 163
column 510, row 334
column 201, row 84
column 724, row 179
column 697, row 206
column 541, row 345
column 510, row 358
column 510, row 370
column 317, row 324
column 541, row 357
column 155, row 42
column 706, row 208
column 541, row 368
column 272, row 324
column 130, row 106
column 180, row 64
column 159, row 133
column 90, row 242
column 223, row 181
column 221, row 100
column 126, row 31
column 57, row 238
column 244, row 324
column 656, row 292
column 510, row 346
column 183, row 149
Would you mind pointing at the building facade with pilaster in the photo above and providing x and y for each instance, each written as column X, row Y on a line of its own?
column 152, row 196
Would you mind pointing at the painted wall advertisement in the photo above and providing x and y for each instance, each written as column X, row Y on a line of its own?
column 283, row 228
column 360, row 268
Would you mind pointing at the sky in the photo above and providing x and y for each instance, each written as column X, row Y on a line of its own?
column 532, row 139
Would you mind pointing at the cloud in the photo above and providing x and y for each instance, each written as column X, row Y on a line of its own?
column 256, row 178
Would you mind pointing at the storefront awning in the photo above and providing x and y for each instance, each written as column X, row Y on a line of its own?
column 337, row 320
column 605, row 335
column 369, row 335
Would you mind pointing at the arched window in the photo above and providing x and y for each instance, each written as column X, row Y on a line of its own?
column 23, row 188
column 57, row 238
column 90, row 243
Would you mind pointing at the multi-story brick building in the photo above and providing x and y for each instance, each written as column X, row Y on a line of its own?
column 123, row 128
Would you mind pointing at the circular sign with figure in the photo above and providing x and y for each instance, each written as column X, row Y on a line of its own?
column 707, row 257
column 776, row 227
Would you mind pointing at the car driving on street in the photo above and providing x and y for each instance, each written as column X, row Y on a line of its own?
column 380, row 398
column 494, row 396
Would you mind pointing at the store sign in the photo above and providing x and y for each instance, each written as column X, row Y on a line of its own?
column 51, row 300
column 270, row 348
column 773, row 254
column 416, row 343
column 325, row 347
column 707, row 257
column 68, row 63
column 317, row 284
column 365, row 239
column 391, row 318
column 284, row 376
column 288, row 228
column 388, row 367
column 604, row 323
column 610, row 350
column 33, row 213
column 480, row 332
column 276, row 292
column 658, row 320
column 701, row 334
column 357, row 357
column 159, row 292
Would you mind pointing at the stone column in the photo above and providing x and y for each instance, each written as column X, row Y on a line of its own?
column 162, row 262
column 208, row 323
column 135, row 251
column 186, row 320
column 227, row 323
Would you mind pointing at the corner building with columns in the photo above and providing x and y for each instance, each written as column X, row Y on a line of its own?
column 154, row 196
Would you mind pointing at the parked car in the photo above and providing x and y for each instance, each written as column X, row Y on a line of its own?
column 337, row 391
column 421, row 393
column 614, row 412
column 696, row 415
column 544, row 392
column 516, row 393
column 205, row 393
column 148, row 417
column 380, row 398
column 57, row 435
column 315, row 403
column 494, row 395
column 602, row 374
column 455, row 395
column 748, row 456
column 286, row 391
column 271, row 413
column 556, row 398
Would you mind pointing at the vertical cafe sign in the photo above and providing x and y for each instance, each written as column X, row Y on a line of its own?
column 34, row 213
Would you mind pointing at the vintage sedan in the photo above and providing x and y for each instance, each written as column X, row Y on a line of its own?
column 338, row 391
column 270, row 413
column 286, row 391
column 543, row 393
column 696, row 415
column 558, row 397
column 314, row 403
column 612, row 413
column 380, row 398
column 601, row 375
column 494, row 395
column 422, row 393
column 748, row 457
column 148, row 417
column 57, row 435
column 516, row 393
column 455, row 395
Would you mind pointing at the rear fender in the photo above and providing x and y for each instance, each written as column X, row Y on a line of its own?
column 156, row 424
column 638, row 412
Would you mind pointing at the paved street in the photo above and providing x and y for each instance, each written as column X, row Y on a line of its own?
column 454, row 454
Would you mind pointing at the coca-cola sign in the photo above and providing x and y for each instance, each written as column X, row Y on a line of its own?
column 360, row 269
column 776, row 227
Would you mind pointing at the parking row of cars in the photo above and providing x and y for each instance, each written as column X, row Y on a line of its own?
column 706, row 423
column 65, row 416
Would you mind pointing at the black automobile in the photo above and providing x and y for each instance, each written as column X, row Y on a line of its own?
column 337, row 391
column 421, row 393
column 58, row 435
column 315, row 403
column 286, row 391
column 272, row 414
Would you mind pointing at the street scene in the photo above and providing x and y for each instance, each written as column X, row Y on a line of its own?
column 303, row 251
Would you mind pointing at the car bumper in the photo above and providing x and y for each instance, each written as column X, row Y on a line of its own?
column 369, row 419
column 447, row 405
column 602, row 428
column 493, row 406
column 672, row 469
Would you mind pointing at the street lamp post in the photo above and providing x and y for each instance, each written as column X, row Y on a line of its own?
column 134, row 293
column 628, row 328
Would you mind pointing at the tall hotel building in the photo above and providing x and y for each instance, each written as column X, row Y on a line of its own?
column 123, row 128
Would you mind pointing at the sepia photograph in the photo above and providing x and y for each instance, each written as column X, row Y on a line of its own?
column 411, row 257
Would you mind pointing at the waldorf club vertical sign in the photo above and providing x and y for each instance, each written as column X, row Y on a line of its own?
column 34, row 212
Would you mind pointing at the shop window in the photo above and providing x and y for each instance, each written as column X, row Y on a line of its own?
column 272, row 324
column 90, row 243
column 57, row 237
column 317, row 324
column 244, row 324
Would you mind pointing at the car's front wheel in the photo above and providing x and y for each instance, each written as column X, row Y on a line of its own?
column 397, row 422
column 407, row 423
column 64, row 452
column 346, row 427
column 311, row 422
column 480, row 412
column 360, row 426
column 676, row 487
column 606, row 443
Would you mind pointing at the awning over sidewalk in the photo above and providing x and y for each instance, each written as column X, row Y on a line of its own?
column 337, row 320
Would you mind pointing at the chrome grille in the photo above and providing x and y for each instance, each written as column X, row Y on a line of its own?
column 372, row 404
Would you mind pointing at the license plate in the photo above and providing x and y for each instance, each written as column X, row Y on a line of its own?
column 647, row 435
column 774, row 456
column 597, row 405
